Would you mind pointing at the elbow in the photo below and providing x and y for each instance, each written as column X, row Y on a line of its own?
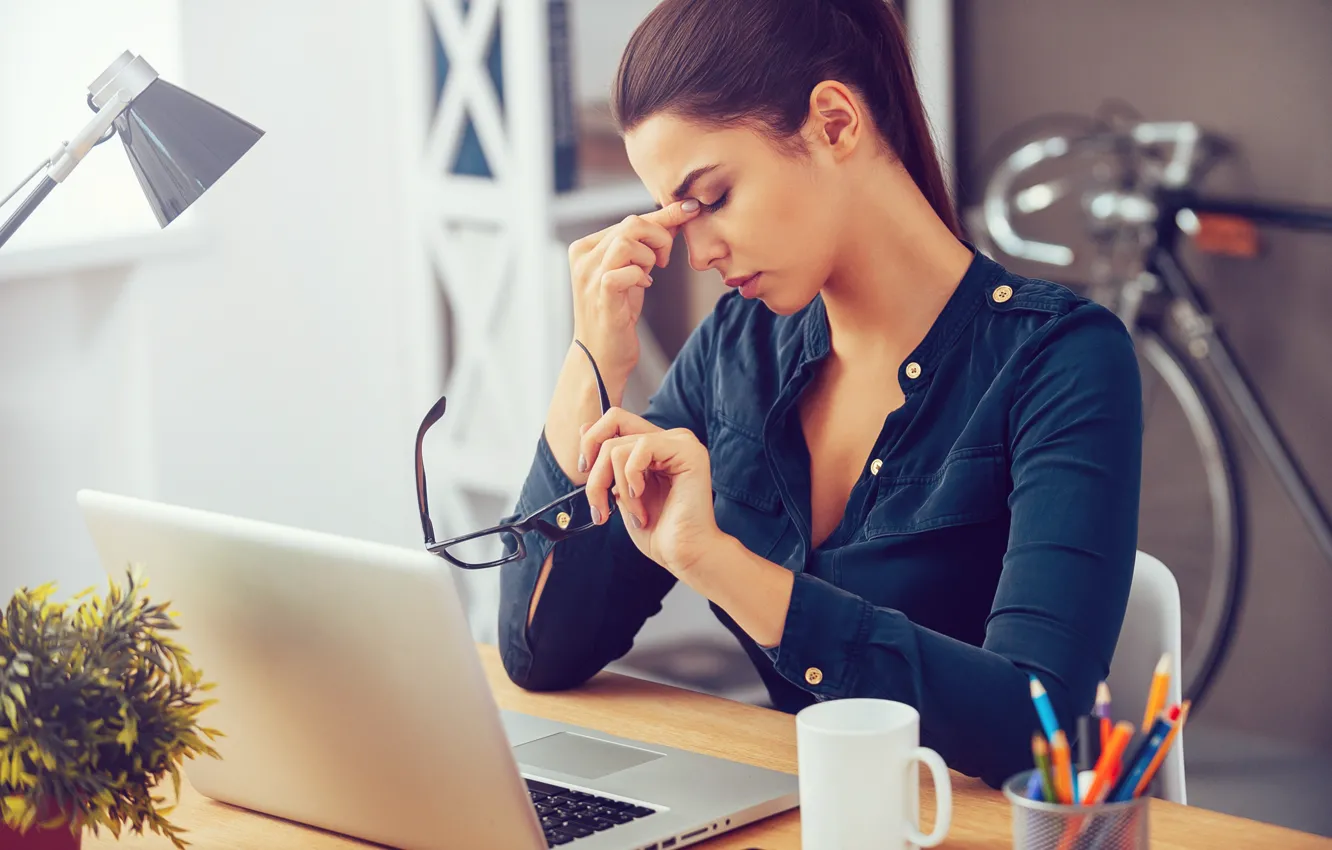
column 532, row 673
column 535, row 665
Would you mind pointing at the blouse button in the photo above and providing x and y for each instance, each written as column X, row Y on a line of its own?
column 913, row 371
column 875, row 466
column 562, row 520
column 1003, row 293
column 813, row 675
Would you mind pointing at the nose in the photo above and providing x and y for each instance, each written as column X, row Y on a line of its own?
column 706, row 247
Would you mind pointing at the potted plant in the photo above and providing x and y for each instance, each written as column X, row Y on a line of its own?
column 99, row 707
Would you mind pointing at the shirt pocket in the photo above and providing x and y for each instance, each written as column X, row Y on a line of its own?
column 971, row 486
column 745, row 503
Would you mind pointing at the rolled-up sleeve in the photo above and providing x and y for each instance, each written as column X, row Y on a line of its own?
column 601, row 588
column 1075, row 460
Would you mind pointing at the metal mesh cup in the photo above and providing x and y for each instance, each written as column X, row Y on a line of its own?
column 1038, row 825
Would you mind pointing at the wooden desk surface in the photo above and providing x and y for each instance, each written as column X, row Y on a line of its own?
column 678, row 718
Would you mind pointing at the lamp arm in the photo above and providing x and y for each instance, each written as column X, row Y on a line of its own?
column 78, row 147
column 64, row 160
column 24, row 182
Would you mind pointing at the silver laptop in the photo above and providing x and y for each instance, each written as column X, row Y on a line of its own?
column 352, row 699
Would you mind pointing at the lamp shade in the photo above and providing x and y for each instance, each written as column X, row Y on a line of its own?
column 179, row 145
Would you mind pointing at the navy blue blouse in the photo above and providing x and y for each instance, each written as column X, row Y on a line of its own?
column 991, row 533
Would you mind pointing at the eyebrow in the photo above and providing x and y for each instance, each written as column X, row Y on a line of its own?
column 682, row 191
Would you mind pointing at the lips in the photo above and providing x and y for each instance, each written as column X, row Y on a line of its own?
column 748, row 285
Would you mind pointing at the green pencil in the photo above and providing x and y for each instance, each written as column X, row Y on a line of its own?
column 1040, row 750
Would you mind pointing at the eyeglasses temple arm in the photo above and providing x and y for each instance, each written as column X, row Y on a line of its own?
column 601, row 385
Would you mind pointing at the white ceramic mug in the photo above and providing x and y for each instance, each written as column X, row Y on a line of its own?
column 859, row 777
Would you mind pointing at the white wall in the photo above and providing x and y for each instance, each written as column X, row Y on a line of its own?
column 260, row 372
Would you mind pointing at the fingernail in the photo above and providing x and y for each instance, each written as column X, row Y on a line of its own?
column 582, row 463
column 596, row 515
column 689, row 205
column 633, row 494
column 649, row 278
column 633, row 520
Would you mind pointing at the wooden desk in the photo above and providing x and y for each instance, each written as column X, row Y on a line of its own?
column 677, row 718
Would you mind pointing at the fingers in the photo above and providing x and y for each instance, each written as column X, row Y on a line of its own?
column 673, row 215
column 621, row 280
column 616, row 422
column 600, row 479
column 625, row 250
column 629, row 498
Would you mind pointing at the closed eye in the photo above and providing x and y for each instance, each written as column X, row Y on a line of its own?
column 717, row 204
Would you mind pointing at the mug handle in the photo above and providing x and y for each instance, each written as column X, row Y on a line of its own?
column 943, row 798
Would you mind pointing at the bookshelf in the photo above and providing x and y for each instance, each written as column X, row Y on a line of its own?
column 493, row 319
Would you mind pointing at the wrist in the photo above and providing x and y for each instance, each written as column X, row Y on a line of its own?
column 754, row 591
column 614, row 371
column 713, row 549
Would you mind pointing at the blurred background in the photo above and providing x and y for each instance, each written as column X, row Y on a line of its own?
column 400, row 231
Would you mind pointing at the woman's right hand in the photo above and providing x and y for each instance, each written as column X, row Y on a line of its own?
column 610, row 271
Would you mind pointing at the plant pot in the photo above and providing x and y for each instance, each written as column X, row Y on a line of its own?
column 59, row 838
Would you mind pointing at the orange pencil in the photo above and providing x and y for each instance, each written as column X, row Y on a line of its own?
column 1165, row 748
column 1062, row 768
column 1156, row 697
column 1106, row 765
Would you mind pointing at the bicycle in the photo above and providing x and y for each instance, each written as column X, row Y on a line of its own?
column 1135, row 183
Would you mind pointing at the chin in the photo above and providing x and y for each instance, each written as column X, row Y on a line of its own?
column 785, row 303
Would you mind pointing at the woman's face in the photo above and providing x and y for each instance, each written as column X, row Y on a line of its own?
column 766, row 212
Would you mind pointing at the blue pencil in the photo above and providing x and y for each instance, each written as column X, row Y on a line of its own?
column 1043, row 708
column 1034, row 786
column 1142, row 759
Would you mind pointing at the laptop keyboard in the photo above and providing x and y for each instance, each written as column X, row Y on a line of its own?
column 567, row 815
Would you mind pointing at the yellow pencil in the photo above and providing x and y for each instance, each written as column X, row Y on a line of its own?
column 1165, row 748
column 1156, row 697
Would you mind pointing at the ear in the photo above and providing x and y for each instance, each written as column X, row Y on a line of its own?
column 836, row 120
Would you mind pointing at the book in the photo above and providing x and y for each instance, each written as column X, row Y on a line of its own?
column 470, row 158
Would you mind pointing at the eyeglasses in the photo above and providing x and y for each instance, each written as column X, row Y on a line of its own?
column 469, row 550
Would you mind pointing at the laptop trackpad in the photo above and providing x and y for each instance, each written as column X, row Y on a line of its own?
column 578, row 755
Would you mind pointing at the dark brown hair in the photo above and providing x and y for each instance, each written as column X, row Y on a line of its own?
column 720, row 62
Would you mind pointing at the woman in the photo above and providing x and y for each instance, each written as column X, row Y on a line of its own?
column 895, row 469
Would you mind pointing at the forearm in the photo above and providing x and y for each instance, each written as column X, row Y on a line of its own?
column 754, row 591
column 574, row 404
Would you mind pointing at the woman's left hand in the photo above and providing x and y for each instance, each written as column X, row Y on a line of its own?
column 662, row 482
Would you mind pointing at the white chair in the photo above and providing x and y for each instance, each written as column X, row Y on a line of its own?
column 1151, row 627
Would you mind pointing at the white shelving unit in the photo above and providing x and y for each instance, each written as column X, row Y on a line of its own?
column 496, row 265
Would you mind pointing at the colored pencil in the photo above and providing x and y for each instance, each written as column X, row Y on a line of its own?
column 1156, row 697
column 1164, row 750
column 1136, row 766
column 1106, row 766
column 1102, row 710
column 1034, row 789
column 1062, row 767
column 1044, row 709
column 1040, row 751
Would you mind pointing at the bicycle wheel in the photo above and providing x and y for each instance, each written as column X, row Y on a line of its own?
column 1192, row 512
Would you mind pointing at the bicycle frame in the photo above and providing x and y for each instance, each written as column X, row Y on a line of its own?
column 1206, row 341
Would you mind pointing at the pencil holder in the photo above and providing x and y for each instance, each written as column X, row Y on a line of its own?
column 1038, row 825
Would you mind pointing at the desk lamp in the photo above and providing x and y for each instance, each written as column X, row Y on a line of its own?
column 178, row 144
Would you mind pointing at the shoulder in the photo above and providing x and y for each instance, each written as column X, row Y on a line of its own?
column 1045, row 325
